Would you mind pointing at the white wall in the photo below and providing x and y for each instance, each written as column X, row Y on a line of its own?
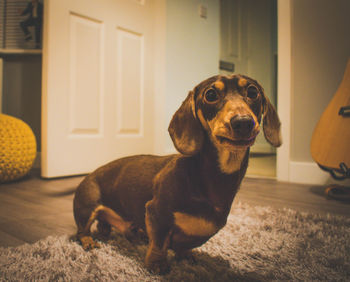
column 320, row 49
column 192, row 52
column 319, row 44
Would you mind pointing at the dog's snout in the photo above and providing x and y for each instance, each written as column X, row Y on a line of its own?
column 242, row 125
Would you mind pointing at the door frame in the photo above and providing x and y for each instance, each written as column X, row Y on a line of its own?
column 284, row 88
column 159, row 76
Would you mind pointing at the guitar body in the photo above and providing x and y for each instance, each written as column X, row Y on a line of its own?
column 330, row 143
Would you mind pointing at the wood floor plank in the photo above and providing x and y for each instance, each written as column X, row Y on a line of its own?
column 7, row 240
column 296, row 196
column 14, row 207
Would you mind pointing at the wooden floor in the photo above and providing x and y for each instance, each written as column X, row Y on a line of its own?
column 33, row 208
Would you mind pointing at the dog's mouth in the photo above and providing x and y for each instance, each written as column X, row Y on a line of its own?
column 225, row 141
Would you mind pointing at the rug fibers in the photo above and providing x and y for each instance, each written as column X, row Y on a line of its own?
column 257, row 244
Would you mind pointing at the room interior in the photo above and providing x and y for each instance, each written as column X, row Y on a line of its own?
column 24, row 99
column 298, row 50
column 238, row 31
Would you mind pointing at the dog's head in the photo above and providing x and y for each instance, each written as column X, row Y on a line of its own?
column 229, row 110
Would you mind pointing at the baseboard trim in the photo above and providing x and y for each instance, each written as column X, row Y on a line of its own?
column 310, row 173
column 262, row 148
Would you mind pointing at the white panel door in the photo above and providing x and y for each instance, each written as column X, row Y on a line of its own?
column 97, row 83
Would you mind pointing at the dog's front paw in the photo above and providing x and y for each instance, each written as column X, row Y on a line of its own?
column 187, row 255
column 88, row 243
column 158, row 267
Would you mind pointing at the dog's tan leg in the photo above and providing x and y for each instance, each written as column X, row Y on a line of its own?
column 156, row 257
column 107, row 217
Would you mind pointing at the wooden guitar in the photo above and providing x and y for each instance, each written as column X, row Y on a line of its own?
column 330, row 143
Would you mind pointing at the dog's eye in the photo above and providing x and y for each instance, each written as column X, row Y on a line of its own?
column 252, row 92
column 211, row 96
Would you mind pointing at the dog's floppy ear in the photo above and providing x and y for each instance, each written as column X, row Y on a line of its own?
column 271, row 123
column 185, row 130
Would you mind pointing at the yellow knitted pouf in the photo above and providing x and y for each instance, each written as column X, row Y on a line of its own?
column 17, row 148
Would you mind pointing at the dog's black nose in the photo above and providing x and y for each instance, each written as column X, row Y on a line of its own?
column 242, row 125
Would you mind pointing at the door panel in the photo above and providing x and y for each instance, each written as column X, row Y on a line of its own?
column 130, row 95
column 86, row 76
column 97, row 83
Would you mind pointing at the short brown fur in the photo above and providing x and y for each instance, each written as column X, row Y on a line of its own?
column 181, row 200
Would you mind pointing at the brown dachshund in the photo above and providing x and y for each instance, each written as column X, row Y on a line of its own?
column 181, row 200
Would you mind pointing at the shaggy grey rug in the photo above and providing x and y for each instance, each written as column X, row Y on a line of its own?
column 257, row 244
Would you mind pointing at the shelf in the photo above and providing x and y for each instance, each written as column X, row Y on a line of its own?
column 20, row 51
